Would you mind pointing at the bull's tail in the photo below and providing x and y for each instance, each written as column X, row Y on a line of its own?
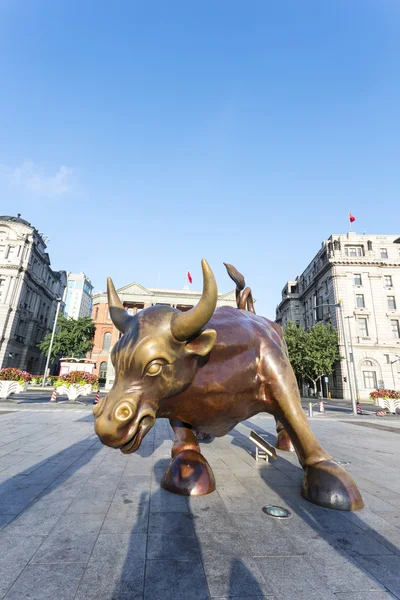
column 244, row 297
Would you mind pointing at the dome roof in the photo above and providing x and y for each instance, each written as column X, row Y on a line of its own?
column 15, row 220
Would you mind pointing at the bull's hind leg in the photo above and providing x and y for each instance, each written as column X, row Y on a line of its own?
column 188, row 473
column 283, row 441
column 325, row 483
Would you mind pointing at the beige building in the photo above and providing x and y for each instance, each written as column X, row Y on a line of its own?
column 136, row 297
column 364, row 272
column 29, row 289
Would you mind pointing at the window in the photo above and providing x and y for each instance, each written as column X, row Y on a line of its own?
column 369, row 380
column 363, row 327
column 391, row 303
column 368, row 363
column 107, row 341
column 297, row 324
column 326, row 286
column 357, row 279
column 388, row 281
column 387, row 358
column 354, row 250
column 96, row 313
column 360, row 301
column 103, row 370
column 394, row 323
column 130, row 311
column 108, row 315
column 384, row 253
column 296, row 309
column 2, row 286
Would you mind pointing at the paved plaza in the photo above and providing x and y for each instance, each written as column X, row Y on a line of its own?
column 82, row 521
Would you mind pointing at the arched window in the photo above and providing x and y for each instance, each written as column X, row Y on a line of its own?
column 103, row 370
column 107, row 341
column 96, row 313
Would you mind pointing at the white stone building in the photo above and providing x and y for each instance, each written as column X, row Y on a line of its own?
column 78, row 296
column 363, row 271
column 29, row 289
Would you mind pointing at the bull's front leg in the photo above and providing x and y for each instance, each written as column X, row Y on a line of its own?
column 325, row 483
column 188, row 473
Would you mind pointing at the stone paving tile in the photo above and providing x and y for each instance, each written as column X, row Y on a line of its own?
column 384, row 568
column 363, row 544
column 10, row 570
column 222, row 543
column 64, row 547
column 127, row 518
column 47, row 582
column 171, row 546
column 365, row 596
column 234, row 576
column 172, row 523
column 163, row 501
column 338, row 571
column 172, row 579
column 292, row 578
column 116, row 568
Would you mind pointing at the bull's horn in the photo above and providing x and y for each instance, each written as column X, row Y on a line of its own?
column 118, row 314
column 185, row 325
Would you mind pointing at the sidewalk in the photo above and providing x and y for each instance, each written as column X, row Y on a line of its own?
column 82, row 521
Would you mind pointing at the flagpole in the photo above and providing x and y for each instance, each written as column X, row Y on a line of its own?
column 350, row 220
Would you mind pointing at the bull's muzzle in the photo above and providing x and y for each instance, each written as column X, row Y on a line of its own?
column 123, row 426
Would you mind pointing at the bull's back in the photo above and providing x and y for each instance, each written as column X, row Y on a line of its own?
column 225, row 388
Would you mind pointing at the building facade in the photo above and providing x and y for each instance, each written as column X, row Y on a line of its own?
column 29, row 289
column 78, row 296
column 363, row 272
column 135, row 298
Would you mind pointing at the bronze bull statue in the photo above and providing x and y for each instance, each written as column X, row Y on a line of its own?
column 207, row 370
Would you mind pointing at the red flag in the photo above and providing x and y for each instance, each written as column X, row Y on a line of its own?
column 351, row 218
column 189, row 277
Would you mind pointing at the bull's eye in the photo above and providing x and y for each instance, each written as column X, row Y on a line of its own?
column 154, row 368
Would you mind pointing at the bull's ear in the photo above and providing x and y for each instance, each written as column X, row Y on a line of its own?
column 203, row 343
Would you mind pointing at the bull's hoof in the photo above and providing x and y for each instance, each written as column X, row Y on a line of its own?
column 283, row 442
column 189, row 474
column 329, row 485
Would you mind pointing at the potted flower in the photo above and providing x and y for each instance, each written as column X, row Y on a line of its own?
column 13, row 381
column 389, row 399
column 75, row 384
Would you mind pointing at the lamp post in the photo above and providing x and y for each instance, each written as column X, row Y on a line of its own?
column 339, row 305
column 391, row 366
column 354, row 362
column 59, row 300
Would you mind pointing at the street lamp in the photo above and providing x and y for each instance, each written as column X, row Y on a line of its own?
column 391, row 366
column 354, row 362
column 339, row 305
column 59, row 300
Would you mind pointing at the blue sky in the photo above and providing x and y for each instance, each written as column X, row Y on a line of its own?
column 143, row 136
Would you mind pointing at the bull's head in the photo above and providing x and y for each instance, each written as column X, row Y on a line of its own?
column 157, row 357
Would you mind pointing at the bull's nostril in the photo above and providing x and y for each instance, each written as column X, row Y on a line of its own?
column 123, row 412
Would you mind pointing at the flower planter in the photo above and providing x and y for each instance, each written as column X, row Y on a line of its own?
column 7, row 388
column 73, row 391
column 390, row 403
column 88, row 389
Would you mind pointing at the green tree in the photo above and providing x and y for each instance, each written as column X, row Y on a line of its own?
column 73, row 337
column 312, row 353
